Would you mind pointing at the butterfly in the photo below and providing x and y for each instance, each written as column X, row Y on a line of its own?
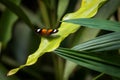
column 46, row 32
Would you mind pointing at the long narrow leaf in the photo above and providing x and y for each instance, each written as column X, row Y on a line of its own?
column 97, row 23
column 89, row 61
column 106, row 42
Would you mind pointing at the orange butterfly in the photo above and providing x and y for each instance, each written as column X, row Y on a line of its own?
column 46, row 32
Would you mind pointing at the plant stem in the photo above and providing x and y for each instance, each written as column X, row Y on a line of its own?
column 58, row 66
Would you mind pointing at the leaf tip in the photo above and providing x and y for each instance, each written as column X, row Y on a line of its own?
column 13, row 71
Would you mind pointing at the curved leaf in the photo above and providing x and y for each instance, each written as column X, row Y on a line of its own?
column 3, row 72
column 96, row 23
column 84, row 34
column 88, row 9
column 92, row 60
column 102, row 43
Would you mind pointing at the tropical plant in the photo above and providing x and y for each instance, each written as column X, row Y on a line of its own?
column 85, row 47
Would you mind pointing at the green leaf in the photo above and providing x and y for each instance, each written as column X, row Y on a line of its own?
column 61, row 10
column 3, row 72
column 102, row 43
column 18, row 11
column 109, row 41
column 107, row 8
column 44, row 12
column 97, row 23
column 92, row 61
column 81, row 36
column 6, row 23
column 106, row 42
column 52, row 42
column 85, row 33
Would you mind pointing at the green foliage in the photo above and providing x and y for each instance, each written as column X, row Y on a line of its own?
column 61, row 10
column 103, row 43
column 49, row 44
column 93, row 60
column 6, row 23
column 97, row 23
column 100, row 54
